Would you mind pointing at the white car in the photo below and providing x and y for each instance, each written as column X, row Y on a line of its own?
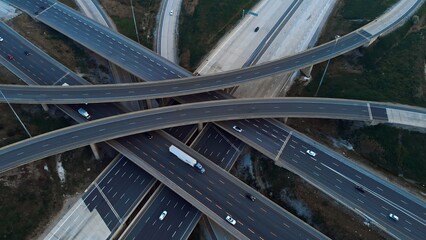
column 163, row 215
column 230, row 220
column 312, row 153
column 84, row 113
column 1, row 39
column 171, row 13
column 394, row 217
column 236, row 128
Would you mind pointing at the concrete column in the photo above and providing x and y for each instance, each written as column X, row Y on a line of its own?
column 95, row 151
column 200, row 126
column 45, row 107
column 306, row 72
column 285, row 120
column 149, row 103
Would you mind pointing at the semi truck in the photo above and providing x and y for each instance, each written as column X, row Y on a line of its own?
column 186, row 158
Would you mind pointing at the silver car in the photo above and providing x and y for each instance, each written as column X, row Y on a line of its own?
column 230, row 220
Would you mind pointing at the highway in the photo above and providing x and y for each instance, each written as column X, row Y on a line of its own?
column 146, row 226
column 130, row 55
column 124, row 145
column 165, row 117
column 179, row 87
column 125, row 124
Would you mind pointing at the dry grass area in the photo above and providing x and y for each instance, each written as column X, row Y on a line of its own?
column 32, row 194
column 145, row 14
column 47, row 39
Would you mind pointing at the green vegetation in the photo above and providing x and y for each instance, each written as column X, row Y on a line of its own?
column 352, row 14
column 69, row 3
column 396, row 150
column 391, row 70
column 365, row 9
column 201, row 28
column 126, row 27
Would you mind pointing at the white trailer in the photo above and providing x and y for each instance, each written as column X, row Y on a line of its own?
column 186, row 158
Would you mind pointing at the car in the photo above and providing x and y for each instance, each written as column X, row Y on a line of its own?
column 10, row 56
column 149, row 136
column 359, row 188
column 230, row 220
column 84, row 113
column 163, row 215
column 251, row 197
column 27, row 53
column 256, row 29
column 1, row 39
column 171, row 13
column 236, row 128
column 312, row 153
column 65, row 84
column 393, row 217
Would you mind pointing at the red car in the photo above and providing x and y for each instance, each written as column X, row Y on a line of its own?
column 10, row 56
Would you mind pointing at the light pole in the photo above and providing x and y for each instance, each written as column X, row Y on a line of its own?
column 336, row 38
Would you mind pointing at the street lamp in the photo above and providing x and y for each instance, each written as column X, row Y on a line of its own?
column 336, row 38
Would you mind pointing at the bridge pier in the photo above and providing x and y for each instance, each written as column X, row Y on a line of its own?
column 45, row 107
column 95, row 151
column 200, row 126
column 371, row 41
column 306, row 72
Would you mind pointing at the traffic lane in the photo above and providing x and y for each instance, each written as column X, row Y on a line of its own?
column 119, row 48
column 38, row 66
column 183, row 133
column 219, row 194
column 153, row 119
column 33, row 65
column 137, row 182
column 269, row 138
column 399, row 200
column 218, row 146
column 96, row 202
column 250, row 72
column 184, row 221
column 179, row 215
column 296, row 155
column 365, row 203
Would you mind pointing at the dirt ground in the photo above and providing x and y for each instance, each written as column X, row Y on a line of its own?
column 31, row 195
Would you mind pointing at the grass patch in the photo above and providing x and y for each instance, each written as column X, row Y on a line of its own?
column 353, row 14
column 396, row 150
column 202, row 25
column 126, row 27
column 69, row 3
column 356, row 9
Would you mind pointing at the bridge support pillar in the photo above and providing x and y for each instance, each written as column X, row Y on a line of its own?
column 200, row 126
column 371, row 41
column 285, row 120
column 95, row 151
column 149, row 103
column 306, row 72
column 45, row 107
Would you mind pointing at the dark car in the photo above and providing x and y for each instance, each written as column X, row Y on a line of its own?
column 27, row 53
column 148, row 135
column 359, row 188
column 256, row 29
column 251, row 197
